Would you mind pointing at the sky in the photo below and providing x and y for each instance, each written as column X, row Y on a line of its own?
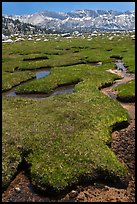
column 20, row 8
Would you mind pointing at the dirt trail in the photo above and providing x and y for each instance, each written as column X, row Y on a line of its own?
column 123, row 145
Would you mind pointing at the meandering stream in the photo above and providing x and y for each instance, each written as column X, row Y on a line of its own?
column 111, row 93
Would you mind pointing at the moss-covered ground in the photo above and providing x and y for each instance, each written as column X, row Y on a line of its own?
column 126, row 92
column 64, row 138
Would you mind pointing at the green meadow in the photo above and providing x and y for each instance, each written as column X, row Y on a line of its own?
column 64, row 139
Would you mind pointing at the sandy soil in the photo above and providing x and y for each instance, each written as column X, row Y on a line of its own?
column 20, row 189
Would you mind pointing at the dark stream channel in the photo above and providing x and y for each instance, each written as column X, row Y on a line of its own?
column 40, row 74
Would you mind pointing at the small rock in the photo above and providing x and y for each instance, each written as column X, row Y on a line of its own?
column 10, row 200
column 106, row 187
column 33, row 200
column 17, row 189
column 99, row 185
column 66, row 198
column 116, row 132
column 81, row 196
column 73, row 194
column 99, row 63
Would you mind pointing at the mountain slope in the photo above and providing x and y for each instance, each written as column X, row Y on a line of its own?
column 81, row 20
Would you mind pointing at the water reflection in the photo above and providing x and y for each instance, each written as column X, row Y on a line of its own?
column 63, row 90
column 12, row 93
column 120, row 65
column 42, row 74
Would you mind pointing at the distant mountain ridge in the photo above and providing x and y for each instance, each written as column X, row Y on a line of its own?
column 10, row 26
column 80, row 20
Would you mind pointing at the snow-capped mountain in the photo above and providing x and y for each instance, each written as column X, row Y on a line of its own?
column 81, row 20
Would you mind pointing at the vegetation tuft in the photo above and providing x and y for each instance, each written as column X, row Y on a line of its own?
column 126, row 92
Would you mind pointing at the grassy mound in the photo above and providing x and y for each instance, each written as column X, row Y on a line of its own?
column 126, row 92
column 64, row 138
column 10, row 80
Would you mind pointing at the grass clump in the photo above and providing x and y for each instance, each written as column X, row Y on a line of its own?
column 126, row 92
column 10, row 80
